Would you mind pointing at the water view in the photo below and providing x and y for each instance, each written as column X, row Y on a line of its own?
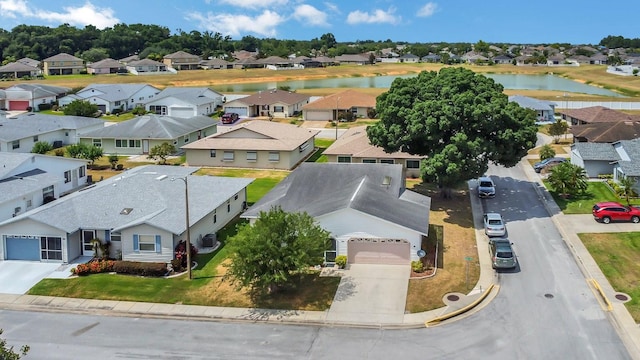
column 509, row 81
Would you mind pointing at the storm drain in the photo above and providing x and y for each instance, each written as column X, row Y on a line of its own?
column 548, row 296
column 622, row 297
column 453, row 297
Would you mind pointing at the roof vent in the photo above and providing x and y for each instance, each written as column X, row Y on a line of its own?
column 126, row 211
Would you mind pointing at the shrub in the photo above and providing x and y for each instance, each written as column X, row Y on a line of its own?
column 341, row 261
column 54, row 107
column 417, row 266
column 44, row 106
column 138, row 110
column 116, row 111
column 42, row 147
column 372, row 113
column 181, row 254
column 176, row 265
column 140, row 268
column 94, row 267
column 547, row 152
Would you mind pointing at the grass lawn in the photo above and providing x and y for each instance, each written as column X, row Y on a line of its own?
column 582, row 204
column 264, row 181
column 618, row 256
column 321, row 145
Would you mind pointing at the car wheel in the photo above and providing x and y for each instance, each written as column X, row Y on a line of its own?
column 635, row 219
column 606, row 219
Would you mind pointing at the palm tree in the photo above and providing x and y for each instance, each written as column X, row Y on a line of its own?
column 568, row 179
column 626, row 188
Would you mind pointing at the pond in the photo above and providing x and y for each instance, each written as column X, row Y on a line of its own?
column 509, row 81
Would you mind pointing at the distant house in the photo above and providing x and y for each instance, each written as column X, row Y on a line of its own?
column 599, row 59
column 274, row 102
column 17, row 70
column 556, row 59
column 502, row 59
column 354, row 147
column 138, row 135
column 106, row 66
column 328, row 107
column 185, row 101
column 63, row 64
column 545, row 110
column 24, row 96
column 409, row 58
column 595, row 158
column 128, row 59
column 182, row 60
column 109, row 97
column 20, row 133
column 29, row 61
column 138, row 214
column 353, row 59
column 594, row 114
column 431, row 58
column 214, row 64
column 606, row 132
column 371, row 217
column 31, row 180
column 147, row 67
column 276, row 62
column 254, row 144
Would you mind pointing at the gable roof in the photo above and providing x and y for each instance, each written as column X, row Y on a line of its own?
column 311, row 188
column 192, row 95
column 352, row 57
column 62, row 57
column 17, row 66
column 153, row 201
column 629, row 152
column 274, row 96
column 29, row 61
column 152, row 127
column 596, row 151
column 531, row 103
column 145, row 62
column 106, row 63
column 355, row 142
column 40, row 90
column 256, row 135
column 607, row 132
column 595, row 114
column 113, row 92
column 31, row 124
column 11, row 161
column 25, row 183
column 179, row 55
column 345, row 100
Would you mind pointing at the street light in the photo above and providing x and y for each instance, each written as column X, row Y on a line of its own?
column 186, row 210
column 337, row 117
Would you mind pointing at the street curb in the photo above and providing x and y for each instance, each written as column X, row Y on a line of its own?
column 462, row 310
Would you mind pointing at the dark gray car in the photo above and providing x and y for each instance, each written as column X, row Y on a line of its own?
column 502, row 254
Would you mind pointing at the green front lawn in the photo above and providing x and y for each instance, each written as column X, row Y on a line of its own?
column 618, row 256
column 582, row 204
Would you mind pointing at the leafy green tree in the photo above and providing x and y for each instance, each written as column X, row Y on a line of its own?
column 547, row 152
column 113, row 160
column 92, row 153
column 558, row 129
column 568, row 179
column 76, row 150
column 460, row 121
column 161, row 152
column 7, row 353
column 268, row 254
column 627, row 188
column 80, row 108
column 94, row 54
column 41, row 147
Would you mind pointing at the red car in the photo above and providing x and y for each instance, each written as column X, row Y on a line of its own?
column 613, row 211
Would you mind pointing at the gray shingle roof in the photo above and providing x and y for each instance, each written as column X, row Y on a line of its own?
column 154, row 202
column 152, row 127
column 531, row 103
column 40, row 90
column 16, row 66
column 114, row 92
column 321, row 188
column 31, row 124
column 190, row 95
column 25, row 183
column 596, row 151
column 62, row 57
column 630, row 167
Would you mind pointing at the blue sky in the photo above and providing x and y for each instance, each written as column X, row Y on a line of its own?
column 541, row 21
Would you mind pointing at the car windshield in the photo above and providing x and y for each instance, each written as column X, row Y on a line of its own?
column 486, row 184
column 504, row 254
column 495, row 222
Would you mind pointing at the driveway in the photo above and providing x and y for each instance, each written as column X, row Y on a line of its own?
column 584, row 223
column 371, row 294
column 17, row 277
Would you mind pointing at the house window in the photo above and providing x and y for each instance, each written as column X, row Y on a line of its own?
column 212, row 153
column 228, row 205
column 278, row 109
column 29, row 203
column 50, row 248
column 186, row 139
column 265, row 107
column 387, row 161
column 124, row 143
column 35, row 139
column 330, row 254
column 116, row 237
column 413, row 164
column 304, row 146
column 369, row 161
column 67, row 176
column 344, row 159
column 15, row 144
column 117, row 103
column 147, row 242
column 81, row 171
column 235, row 197
column 228, row 156
column 97, row 142
column 274, row 156
column 47, row 192
column 252, row 156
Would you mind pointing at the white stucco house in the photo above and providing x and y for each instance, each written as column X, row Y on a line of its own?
column 109, row 97
column 140, row 213
column 545, row 110
column 185, row 102
column 370, row 214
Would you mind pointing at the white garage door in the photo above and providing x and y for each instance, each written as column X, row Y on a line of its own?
column 378, row 251
column 183, row 112
column 319, row 115
column 242, row 111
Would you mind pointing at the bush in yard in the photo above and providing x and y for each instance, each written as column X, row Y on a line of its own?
column 140, row 268
column 417, row 266
column 113, row 160
column 161, row 152
column 94, row 267
column 41, row 147
column 547, row 152
column 176, row 265
column 181, row 253
column 45, row 106
column 81, row 108
column 59, row 152
column 341, row 261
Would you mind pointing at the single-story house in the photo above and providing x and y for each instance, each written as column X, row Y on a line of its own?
column 357, row 59
column 140, row 134
column 371, row 216
column 29, row 61
column 106, row 66
column 128, row 59
column 19, row 133
column 431, row 58
column 24, row 96
column 274, row 102
column 354, row 147
column 328, row 107
column 185, row 101
column 595, row 158
column 253, row 144
column 182, row 60
column 502, row 59
column 409, row 58
column 31, row 180
column 141, row 214
column 606, row 132
column 213, row 64
column 545, row 110
column 109, row 97
column 594, row 114
column 63, row 64
column 147, row 67
column 17, row 70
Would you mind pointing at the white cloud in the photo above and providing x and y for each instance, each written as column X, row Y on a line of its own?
column 376, row 17
column 428, row 9
column 332, row 7
column 264, row 24
column 309, row 15
column 253, row 4
column 12, row 8
column 88, row 14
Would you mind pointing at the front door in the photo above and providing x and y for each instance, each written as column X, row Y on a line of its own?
column 145, row 146
column 87, row 246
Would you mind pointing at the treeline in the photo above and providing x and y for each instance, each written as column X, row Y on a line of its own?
column 614, row 42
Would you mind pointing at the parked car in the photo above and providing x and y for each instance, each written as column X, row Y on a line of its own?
column 502, row 254
column 229, row 118
column 548, row 163
column 614, row 211
column 486, row 187
column 494, row 225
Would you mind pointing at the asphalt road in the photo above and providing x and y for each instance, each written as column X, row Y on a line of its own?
column 544, row 310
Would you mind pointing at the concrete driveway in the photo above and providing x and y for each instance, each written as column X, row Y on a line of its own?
column 17, row 277
column 371, row 294
column 584, row 223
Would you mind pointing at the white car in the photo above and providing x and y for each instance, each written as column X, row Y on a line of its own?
column 494, row 225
